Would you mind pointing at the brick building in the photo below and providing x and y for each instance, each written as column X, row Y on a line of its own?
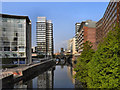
column 108, row 21
column 86, row 32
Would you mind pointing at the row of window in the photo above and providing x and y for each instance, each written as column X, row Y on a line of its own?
column 13, row 20
column 12, row 49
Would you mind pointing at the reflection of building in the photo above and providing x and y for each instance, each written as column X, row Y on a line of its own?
column 108, row 21
column 86, row 32
column 70, row 71
column 46, row 80
column 44, row 36
column 26, row 85
column 71, row 46
column 15, row 37
column 62, row 51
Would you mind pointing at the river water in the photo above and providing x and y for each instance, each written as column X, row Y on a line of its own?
column 59, row 76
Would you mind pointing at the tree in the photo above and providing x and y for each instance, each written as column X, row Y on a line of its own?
column 81, row 67
column 104, row 68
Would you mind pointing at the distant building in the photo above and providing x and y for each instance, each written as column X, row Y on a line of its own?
column 108, row 21
column 57, row 53
column 34, row 49
column 44, row 36
column 72, row 46
column 15, row 37
column 86, row 32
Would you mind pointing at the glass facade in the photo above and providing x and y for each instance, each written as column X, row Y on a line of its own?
column 13, row 37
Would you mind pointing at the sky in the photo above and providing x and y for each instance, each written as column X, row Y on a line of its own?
column 64, row 15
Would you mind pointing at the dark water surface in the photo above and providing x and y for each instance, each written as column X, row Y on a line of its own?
column 56, row 77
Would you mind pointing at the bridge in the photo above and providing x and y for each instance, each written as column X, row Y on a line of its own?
column 63, row 59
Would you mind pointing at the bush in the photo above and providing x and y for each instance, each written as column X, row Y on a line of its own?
column 81, row 67
column 104, row 69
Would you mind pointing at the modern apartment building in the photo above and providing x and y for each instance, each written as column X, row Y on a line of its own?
column 44, row 31
column 15, row 37
column 77, row 26
column 86, row 32
column 108, row 21
column 99, row 32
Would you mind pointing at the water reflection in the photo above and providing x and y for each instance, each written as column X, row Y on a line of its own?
column 44, row 80
column 62, row 79
column 60, row 76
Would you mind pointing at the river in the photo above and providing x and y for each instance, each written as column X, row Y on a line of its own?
column 59, row 76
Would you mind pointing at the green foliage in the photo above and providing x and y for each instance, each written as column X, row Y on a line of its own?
column 81, row 66
column 102, row 68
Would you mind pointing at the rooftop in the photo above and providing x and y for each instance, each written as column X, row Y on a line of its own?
column 15, row 16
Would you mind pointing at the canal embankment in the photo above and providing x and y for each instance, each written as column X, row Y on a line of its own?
column 23, row 72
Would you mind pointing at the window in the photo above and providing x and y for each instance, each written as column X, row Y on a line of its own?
column 4, row 29
column 6, row 43
column 14, row 43
column 15, row 39
column 6, row 48
column 0, row 48
column 21, row 48
column 14, row 48
column 15, row 55
column 4, row 19
column 21, row 54
column 16, row 34
column 19, row 25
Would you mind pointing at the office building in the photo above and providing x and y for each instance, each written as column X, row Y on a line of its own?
column 15, row 37
column 86, row 32
column 77, row 26
column 44, row 36
column 108, row 21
